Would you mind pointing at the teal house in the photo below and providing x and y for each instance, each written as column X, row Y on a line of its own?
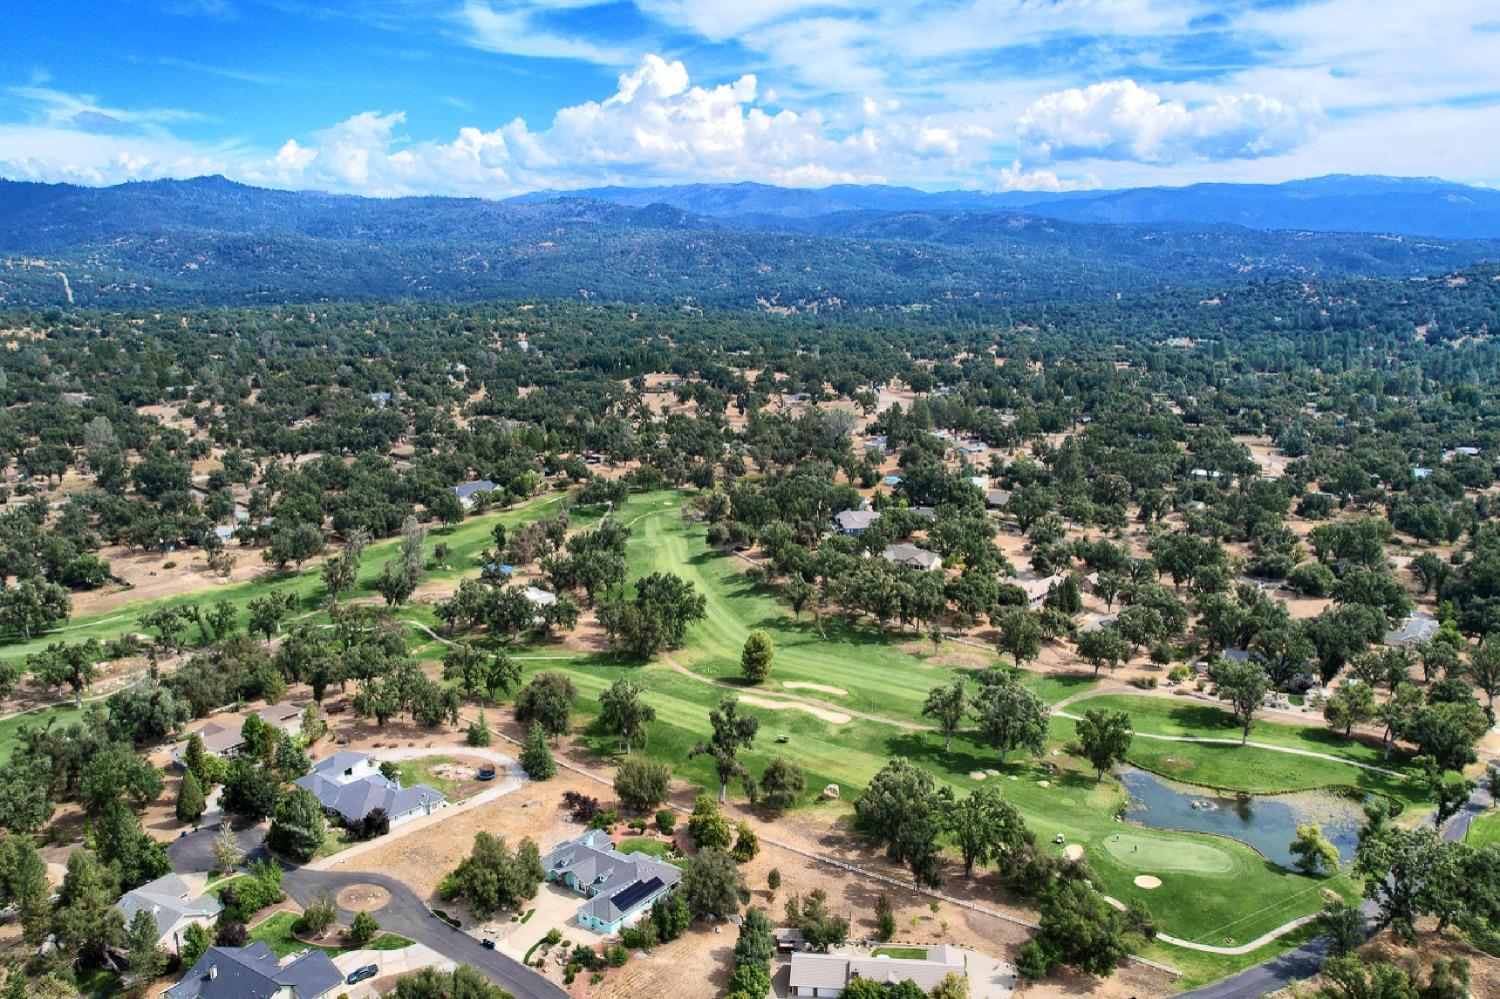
column 619, row 886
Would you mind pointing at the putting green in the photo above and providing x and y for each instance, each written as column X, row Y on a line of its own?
column 1150, row 854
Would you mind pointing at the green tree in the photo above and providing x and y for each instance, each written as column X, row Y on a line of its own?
column 947, row 705
column 1010, row 716
column 363, row 929
column 780, row 785
column 623, row 712
column 1244, row 685
column 190, row 803
column 24, row 887
column 1314, row 853
column 641, row 784
column 1342, row 925
column 547, row 701
column 746, row 843
column 755, row 657
column 1351, row 704
column 1020, row 634
column 463, row 982
column 732, row 732
column 88, row 924
column 1102, row 647
column 298, row 828
column 903, row 809
column 987, row 828
column 712, row 884
column 60, row 664
column 144, row 959
column 707, row 825
column 536, row 758
column 1483, row 669
column 1105, row 738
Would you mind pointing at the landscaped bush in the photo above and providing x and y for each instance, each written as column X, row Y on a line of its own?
column 666, row 821
column 605, row 820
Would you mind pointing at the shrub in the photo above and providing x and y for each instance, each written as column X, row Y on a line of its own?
column 363, row 929
column 666, row 821
column 605, row 820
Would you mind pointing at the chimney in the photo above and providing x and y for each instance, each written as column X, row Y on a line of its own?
column 213, row 972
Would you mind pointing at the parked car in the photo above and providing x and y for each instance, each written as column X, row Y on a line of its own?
column 487, row 943
column 360, row 974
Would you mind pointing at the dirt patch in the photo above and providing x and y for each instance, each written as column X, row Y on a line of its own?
column 455, row 771
column 808, row 685
column 363, row 898
column 832, row 717
column 1073, row 852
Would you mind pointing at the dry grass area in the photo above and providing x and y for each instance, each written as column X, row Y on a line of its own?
column 1484, row 970
column 534, row 810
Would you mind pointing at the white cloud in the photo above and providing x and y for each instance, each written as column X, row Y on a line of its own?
column 658, row 126
column 513, row 29
column 1122, row 120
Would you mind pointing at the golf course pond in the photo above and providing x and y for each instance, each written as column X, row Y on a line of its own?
column 1266, row 822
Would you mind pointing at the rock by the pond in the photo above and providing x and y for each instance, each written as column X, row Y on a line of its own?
column 993, row 773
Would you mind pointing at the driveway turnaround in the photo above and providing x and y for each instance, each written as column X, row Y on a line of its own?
column 404, row 914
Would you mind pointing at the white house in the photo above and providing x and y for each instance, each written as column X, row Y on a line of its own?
column 829, row 974
column 173, row 905
column 350, row 786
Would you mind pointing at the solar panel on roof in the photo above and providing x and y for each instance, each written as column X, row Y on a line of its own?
column 629, row 897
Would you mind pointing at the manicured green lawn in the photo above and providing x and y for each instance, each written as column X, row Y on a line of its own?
column 906, row 953
column 655, row 847
column 420, row 771
column 277, row 934
column 1485, row 830
column 1166, row 716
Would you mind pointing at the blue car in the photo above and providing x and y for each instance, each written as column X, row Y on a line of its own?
column 360, row 974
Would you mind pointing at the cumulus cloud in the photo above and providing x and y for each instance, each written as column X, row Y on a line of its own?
column 658, row 126
column 1122, row 120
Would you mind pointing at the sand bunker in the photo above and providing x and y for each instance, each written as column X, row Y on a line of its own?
column 834, row 717
column 976, row 775
column 1043, row 783
column 807, row 685
column 1147, row 881
column 1073, row 852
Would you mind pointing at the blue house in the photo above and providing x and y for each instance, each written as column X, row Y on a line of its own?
column 619, row 886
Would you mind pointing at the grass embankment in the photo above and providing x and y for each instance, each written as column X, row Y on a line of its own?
column 1485, row 829
column 277, row 934
column 1239, row 898
column 1250, row 768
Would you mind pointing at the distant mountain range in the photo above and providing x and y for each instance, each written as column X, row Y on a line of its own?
column 212, row 241
column 1395, row 205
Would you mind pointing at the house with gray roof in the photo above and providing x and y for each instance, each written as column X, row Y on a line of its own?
column 467, row 492
column 1416, row 629
column 619, row 886
column 350, row 786
column 853, row 523
column 912, row 557
column 830, row 974
column 253, row 972
column 173, row 904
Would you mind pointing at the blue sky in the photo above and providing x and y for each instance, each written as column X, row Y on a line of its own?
column 496, row 97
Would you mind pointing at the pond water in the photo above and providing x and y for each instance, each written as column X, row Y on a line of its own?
column 1267, row 822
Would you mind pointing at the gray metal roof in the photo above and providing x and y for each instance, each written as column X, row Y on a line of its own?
column 355, row 799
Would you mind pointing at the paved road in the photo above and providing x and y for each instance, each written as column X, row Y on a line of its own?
column 405, row 914
column 1302, row 962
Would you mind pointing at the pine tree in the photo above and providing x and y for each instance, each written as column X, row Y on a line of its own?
column 479, row 731
column 146, row 961
column 755, row 657
column 536, row 758
column 195, row 760
column 190, row 803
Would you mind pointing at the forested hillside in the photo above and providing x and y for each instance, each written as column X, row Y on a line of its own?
column 212, row 242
